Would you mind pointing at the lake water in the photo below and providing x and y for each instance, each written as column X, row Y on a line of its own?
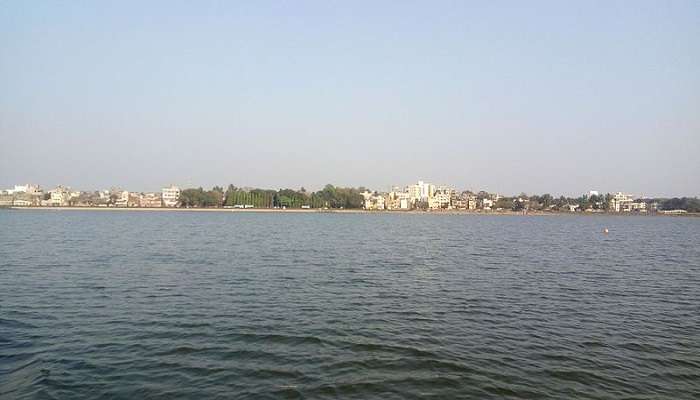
column 187, row 305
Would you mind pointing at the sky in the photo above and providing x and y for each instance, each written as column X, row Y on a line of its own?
column 505, row 96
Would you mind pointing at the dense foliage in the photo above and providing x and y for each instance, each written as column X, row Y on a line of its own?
column 350, row 198
column 689, row 204
column 330, row 197
column 201, row 198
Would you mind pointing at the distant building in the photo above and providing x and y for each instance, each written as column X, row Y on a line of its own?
column 638, row 206
column 439, row 200
column 134, row 199
column 6, row 199
column 674, row 212
column 171, row 196
column 465, row 201
column 421, row 191
column 19, row 202
column 571, row 207
column 150, row 200
column 414, row 192
column 373, row 201
column 60, row 196
column 29, row 189
column 621, row 202
column 122, row 199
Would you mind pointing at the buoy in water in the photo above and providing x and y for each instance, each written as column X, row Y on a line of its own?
column 605, row 231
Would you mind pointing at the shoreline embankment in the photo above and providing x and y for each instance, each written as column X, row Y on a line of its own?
column 342, row 211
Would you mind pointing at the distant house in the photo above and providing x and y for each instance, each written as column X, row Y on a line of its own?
column 373, row 201
column 571, row 207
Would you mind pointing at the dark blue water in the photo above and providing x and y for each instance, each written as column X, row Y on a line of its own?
column 125, row 305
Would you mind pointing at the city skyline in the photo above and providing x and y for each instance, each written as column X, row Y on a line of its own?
column 538, row 97
column 385, row 189
column 418, row 196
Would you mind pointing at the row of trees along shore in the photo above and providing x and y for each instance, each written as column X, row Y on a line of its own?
column 351, row 198
column 594, row 202
column 330, row 196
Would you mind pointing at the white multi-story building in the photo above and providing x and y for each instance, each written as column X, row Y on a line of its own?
column 171, row 196
column 414, row 192
column 373, row 201
column 122, row 199
column 422, row 191
column 59, row 196
column 426, row 191
column 621, row 202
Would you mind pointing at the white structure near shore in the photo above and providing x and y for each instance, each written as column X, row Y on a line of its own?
column 171, row 196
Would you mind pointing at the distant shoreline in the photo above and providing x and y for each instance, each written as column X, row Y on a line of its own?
column 344, row 211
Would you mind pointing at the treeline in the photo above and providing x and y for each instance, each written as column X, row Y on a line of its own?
column 329, row 197
column 601, row 202
column 689, row 204
column 548, row 202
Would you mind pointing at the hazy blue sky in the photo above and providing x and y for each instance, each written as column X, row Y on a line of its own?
column 558, row 97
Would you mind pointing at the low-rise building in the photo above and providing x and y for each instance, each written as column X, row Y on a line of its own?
column 638, row 206
column 20, row 202
column 122, row 199
column 674, row 212
column 134, row 199
column 373, row 201
column 465, row 201
column 571, row 207
column 398, row 200
column 151, row 200
column 60, row 196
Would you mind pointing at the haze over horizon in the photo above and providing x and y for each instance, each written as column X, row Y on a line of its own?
column 503, row 96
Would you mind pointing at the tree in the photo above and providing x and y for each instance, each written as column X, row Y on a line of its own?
column 547, row 200
column 518, row 205
column 689, row 204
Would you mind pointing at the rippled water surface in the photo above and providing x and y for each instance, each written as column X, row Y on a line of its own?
column 126, row 305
